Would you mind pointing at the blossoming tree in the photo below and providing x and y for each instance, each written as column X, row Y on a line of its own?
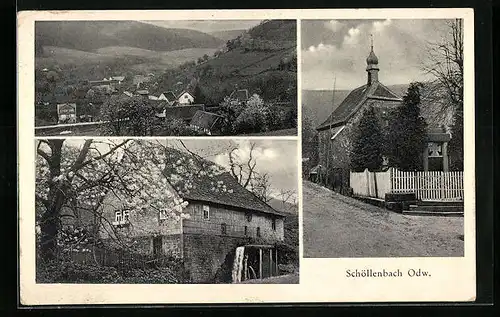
column 77, row 178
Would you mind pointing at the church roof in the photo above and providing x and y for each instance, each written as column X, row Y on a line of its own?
column 372, row 58
column 353, row 102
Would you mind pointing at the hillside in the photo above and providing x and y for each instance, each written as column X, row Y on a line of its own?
column 317, row 104
column 262, row 60
column 226, row 35
column 92, row 35
column 283, row 207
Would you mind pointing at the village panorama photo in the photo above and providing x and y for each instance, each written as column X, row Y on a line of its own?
column 166, row 78
column 164, row 211
column 382, row 140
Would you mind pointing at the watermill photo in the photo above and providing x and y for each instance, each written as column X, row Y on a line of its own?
column 166, row 211
column 166, row 78
column 383, row 150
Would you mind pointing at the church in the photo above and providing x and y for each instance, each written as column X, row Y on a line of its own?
column 336, row 133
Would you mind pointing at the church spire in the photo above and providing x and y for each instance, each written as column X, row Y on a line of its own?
column 372, row 64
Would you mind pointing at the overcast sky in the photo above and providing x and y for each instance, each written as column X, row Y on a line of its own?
column 208, row 26
column 340, row 47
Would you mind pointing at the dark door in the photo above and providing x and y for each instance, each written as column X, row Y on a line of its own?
column 157, row 249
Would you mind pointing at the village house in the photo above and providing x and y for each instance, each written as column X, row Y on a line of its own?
column 222, row 217
column 239, row 96
column 169, row 97
column 336, row 133
column 186, row 97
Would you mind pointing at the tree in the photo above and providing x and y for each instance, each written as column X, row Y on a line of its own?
column 78, row 177
column 287, row 197
column 445, row 62
column 244, row 169
column 367, row 146
column 130, row 116
column 406, row 135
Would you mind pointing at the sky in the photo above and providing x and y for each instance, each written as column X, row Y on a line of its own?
column 278, row 158
column 338, row 49
column 208, row 26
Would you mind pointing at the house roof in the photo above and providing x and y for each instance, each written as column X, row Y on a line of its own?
column 240, row 94
column 205, row 188
column 169, row 95
column 187, row 90
column 183, row 112
column 204, row 120
column 355, row 100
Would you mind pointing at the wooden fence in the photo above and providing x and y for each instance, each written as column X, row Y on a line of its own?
column 431, row 185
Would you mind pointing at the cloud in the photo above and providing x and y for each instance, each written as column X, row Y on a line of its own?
column 334, row 25
column 400, row 46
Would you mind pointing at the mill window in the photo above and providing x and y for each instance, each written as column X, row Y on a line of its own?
column 206, row 212
column 118, row 216
column 258, row 232
column 246, row 231
column 273, row 224
column 223, row 228
column 249, row 216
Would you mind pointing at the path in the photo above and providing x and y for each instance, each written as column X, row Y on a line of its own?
column 338, row 226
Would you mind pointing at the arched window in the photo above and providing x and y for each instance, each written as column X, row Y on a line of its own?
column 223, row 228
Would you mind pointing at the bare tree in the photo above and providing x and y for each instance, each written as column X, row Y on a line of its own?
column 445, row 62
column 244, row 172
column 287, row 196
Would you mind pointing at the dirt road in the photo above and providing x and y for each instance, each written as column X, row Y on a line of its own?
column 337, row 226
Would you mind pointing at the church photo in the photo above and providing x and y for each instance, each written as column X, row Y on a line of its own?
column 382, row 137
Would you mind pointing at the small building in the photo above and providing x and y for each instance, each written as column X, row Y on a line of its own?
column 66, row 112
column 186, row 97
column 225, row 222
column 239, row 96
column 169, row 97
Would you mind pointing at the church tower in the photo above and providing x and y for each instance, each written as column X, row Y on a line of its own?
column 372, row 66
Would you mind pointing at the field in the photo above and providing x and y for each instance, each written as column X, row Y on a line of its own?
column 148, row 61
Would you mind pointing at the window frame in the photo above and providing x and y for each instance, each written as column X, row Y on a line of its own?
column 223, row 228
column 273, row 223
column 246, row 231
column 259, row 234
column 126, row 215
column 118, row 216
column 162, row 215
column 207, row 210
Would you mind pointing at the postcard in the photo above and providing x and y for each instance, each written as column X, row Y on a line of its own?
column 170, row 157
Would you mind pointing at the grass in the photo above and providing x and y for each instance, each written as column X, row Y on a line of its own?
column 336, row 226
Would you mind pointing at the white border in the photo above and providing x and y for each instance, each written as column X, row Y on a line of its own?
column 321, row 280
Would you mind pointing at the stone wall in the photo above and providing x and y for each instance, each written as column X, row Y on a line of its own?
column 209, row 258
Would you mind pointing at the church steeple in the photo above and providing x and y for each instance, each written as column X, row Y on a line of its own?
column 372, row 65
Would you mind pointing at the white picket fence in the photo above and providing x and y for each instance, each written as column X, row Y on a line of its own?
column 439, row 186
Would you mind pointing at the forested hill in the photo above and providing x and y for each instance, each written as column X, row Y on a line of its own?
column 262, row 60
column 92, row 35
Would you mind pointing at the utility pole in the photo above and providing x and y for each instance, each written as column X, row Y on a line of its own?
column 330, row 134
